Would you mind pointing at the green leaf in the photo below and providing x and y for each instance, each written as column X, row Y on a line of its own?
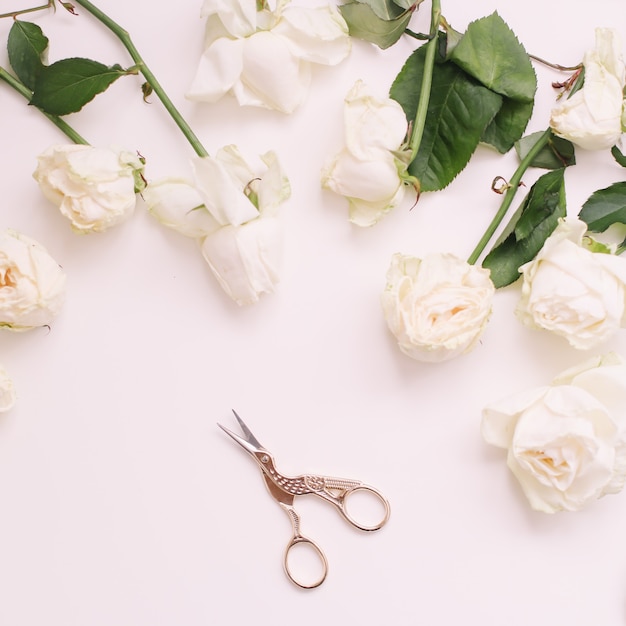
column 532, row 224
column 459, row 110
column 490, row 52
column 364, row 23
column 605, row 207
column 557, row 154
column 619, row 156
column 508, row 125
column 26, row 45
column 67, row 85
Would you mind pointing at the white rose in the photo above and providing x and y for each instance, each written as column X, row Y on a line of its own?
column 371, row 170
column 32, row 284
column 93, row 187
column 8, row 397
column 592, row 117
column 571, row 291
column 566, row 442
column 436, row 307
column 230, row 209
column 264, row 58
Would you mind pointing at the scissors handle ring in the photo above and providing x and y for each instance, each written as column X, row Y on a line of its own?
column 379, row 496
column 300, row 540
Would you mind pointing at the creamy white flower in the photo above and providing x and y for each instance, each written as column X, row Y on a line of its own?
column 371, row 170
column 32, row 284
column 436, row 307
column 592, row 117
column 571, row 291
column 230, row 208
column 8, row 397
column 93, row 187
column 566, row 442
column 264, row 58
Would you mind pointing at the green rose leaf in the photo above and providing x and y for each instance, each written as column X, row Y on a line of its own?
column 26, row 46
column 556, row 154
column 508, row 125
column 619, row 156
column 605, row 207
column 459, row 110
column 67, row 85
column 490, row 52
column 378, row 21
column 532, row 224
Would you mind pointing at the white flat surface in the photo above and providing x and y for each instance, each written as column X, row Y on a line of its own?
column 122, row 503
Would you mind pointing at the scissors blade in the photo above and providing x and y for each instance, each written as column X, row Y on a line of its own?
column 249, row 442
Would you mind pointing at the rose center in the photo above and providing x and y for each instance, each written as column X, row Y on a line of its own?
column 7, row 279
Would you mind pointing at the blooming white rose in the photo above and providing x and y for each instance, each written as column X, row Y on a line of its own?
column 566, row 442
column 371, row 170
column 93, row 187
column 592, row 117
column 32, row 284
column 436, row 307
column 264, row 57
column 8, row 397
column 572, row 291
column 230, row 209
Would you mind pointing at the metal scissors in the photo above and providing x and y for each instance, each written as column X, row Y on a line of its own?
column 285, row 489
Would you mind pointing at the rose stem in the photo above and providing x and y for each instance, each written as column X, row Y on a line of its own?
column 55, row 119
column 427, row 78
column 124, row 37
column 509, row 195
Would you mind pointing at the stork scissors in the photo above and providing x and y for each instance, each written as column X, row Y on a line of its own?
column 285, row 489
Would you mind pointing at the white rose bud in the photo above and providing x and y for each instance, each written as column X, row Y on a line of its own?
column 32, row 284
column 8, row 397
column 436, row 307
column 370, row 172
column 571, row 291
column 592, row 117
column 92, row 187
column 566, row 442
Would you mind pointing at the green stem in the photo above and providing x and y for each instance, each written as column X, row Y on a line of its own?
column 509, row 195
column 14, row 14
column 429, row 62
column 61, row 124
column 124, row 37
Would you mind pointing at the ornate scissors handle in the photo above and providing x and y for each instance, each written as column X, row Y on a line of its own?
column 337, row 491
column 299, row 540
